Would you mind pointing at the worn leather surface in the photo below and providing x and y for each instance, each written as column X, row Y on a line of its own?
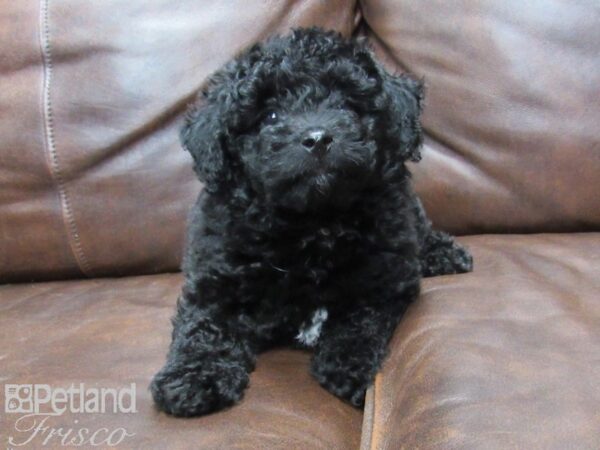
column 92, row 178
column 511, row 112
column 113, row 332
column 506, row 357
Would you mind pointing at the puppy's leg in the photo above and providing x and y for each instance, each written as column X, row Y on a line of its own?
column 351, row 349
column 207, row 366
column 442, row 255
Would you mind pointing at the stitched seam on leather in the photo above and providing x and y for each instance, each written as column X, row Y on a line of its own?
column 50, row 148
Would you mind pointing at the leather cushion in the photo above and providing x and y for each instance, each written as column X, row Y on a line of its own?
column 511, row 111
column 505, row 357
column 113, row 332
column 92, row 177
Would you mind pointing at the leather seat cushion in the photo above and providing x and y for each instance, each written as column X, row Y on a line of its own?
column 113, row 332
column 505, row 357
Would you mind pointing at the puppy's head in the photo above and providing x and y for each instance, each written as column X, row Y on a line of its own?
column 307, row 121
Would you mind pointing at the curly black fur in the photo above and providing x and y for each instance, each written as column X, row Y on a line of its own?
column 301, row 142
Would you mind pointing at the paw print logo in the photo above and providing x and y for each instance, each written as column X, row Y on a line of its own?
column 18, row 398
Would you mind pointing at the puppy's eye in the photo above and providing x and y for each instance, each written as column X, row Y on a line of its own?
column 270, row 117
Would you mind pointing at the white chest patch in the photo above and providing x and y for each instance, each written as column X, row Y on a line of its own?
column 310, row 331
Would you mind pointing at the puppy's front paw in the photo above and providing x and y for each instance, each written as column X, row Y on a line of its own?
column 184, row 391
column 349, row 381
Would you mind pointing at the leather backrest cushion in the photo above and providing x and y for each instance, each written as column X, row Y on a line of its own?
column 512, row 110
column 92, row 177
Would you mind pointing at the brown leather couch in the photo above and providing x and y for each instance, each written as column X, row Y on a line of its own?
column 94, row 191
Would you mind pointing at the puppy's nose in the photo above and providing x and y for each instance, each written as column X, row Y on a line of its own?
column 317, row 141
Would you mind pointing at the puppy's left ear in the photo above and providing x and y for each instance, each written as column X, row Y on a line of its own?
column 203, row 136
column 406, row 97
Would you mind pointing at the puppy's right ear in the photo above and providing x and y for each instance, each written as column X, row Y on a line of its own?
column 406, row 96
column 203, row 135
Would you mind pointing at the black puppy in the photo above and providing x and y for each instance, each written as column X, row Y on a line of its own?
column 308, row 229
